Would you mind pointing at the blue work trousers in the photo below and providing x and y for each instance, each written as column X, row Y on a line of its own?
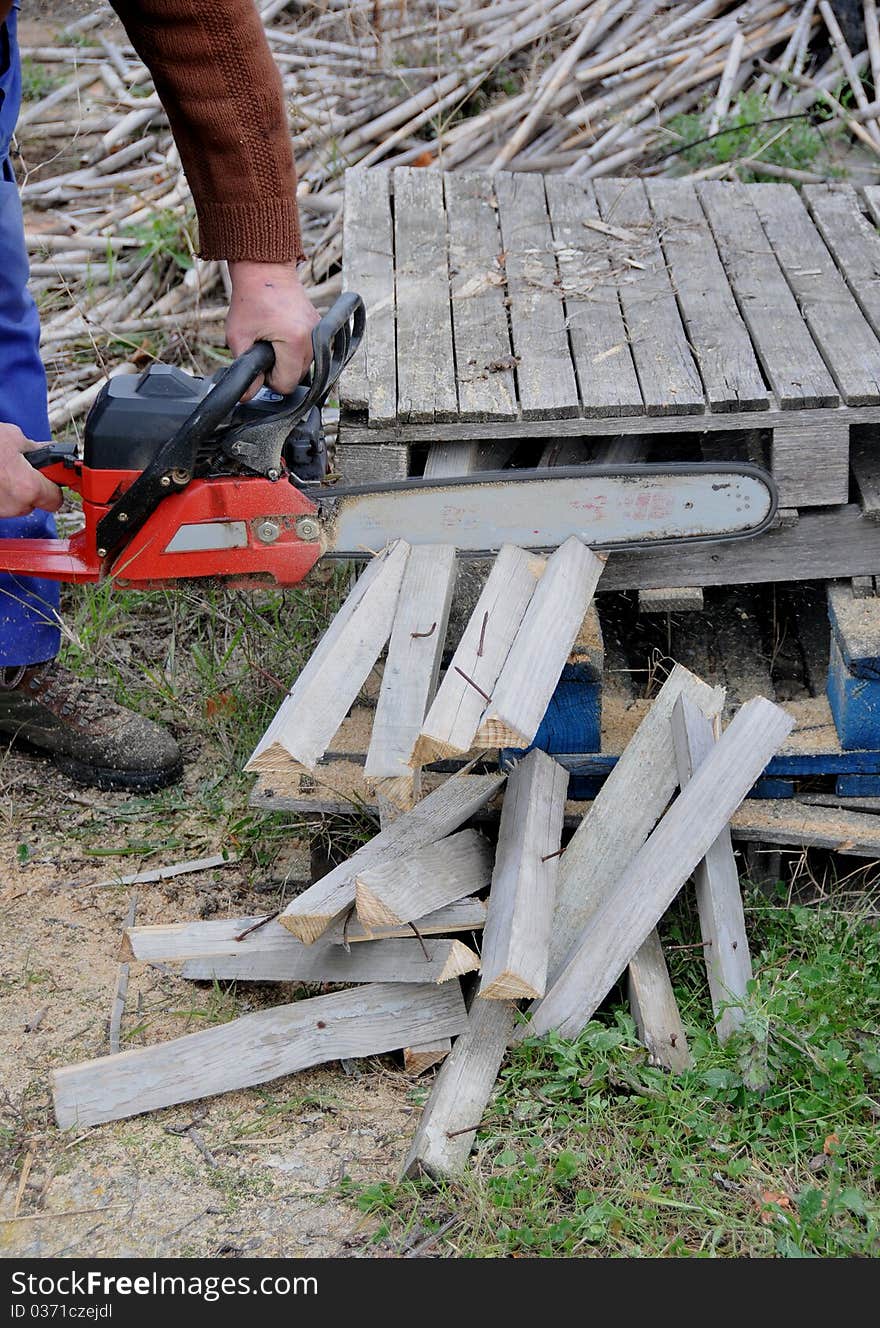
column 29, row 621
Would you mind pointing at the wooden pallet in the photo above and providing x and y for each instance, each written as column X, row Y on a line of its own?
column 530, row 307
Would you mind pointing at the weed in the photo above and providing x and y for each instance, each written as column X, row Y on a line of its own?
column 36, row 80
column 793, row 143
column 166, row 238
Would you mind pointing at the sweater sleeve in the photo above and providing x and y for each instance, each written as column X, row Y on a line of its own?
column 216, row 78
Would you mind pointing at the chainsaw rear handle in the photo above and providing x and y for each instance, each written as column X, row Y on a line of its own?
column 51, row 454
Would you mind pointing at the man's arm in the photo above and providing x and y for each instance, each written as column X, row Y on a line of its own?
column 216, row 78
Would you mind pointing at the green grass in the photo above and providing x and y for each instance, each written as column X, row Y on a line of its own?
column 767, row 1147
column 795, row 144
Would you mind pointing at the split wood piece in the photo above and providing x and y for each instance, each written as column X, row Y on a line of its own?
column 413, row 960
column 655, row 1009
column 715, row 329
column 719, row 899
column 370, row 379
column 444, row 810
column 454, row 1110
column 856, row 627
column 426, row 387
column 451, row 724
column 655, row 875
column 798, row 824
column 547, row 386
column 541, row 647
column 599, row 341
column 672, row 599
column 625, row 811
column 483, row 354
column 516, row 942
column 176, row 941
column 668, row 376
column 409, row 679
column 446, row 460
column 168, row 873
column 416, row 1060
column 850, row 348
column 328, row 685
column 864, row 460
column 853, row 241
column 364, row 1021
column 788, row 355
column 117, row 1010
column 408, row 888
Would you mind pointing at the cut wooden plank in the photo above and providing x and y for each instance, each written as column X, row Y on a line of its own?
column 466, row 914
column 441, row 812
column 715, row 330
column 599, row 341
column 408, row 888
column 516, row 943
column 364, row 1021
column 671, row 599
column 426, row 388
column 626, row 809
column 545, row 373
column 856, row 625
column 483, row 356
column 445, row 460
column 810, row 462
column 788, row 355
column 451, row 724
column 864, row 456
column 848, row 345
column 655, row 875
column 365, row 463
column 324, row 692
column 853, row 241
column 454, row 1110
column 545, row 636
column 668, row 377
column 413, row 960
column 719, row 899
column 655, row 1009
column 370, row 380
column 409, row 679
column 416, row 1060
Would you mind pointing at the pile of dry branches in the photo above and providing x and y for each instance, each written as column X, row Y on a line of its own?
column 588, row 87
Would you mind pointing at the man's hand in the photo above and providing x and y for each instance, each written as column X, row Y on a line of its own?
column 21, row 487
column 269, row 304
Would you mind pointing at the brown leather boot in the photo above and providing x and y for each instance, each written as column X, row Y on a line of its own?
column 89, row 737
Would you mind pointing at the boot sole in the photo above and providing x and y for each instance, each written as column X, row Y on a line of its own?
column 111, row 780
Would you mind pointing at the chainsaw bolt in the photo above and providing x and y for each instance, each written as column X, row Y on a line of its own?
column 102, row 553
column 273, row 475
column 180, row 476
column 308, row 529
column 267, row 531
column 165, row 481
column 122, row 517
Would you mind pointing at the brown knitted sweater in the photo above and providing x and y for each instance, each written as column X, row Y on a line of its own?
column 217, row 80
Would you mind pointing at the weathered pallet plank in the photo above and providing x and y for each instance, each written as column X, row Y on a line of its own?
column 722, row 345
column 451, row 724
column 853, row 241
column 426, row 387
column 810, row 462
column 545, row 373
column 370, row 380
column 541, row 647
column 327, row 687
column 444, row 810
column 363, row 1021
column 850, row 348
column 516, row 942
column 864, row 458
column 483, row 352
column 668, row 857
column 599, row 341
column 408, row 888
column 406, row 960
column 668, row 377
column 788, row 355
column 654, row 1007
column 719, row 899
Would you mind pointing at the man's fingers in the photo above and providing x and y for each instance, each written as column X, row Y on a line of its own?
column 292, row 359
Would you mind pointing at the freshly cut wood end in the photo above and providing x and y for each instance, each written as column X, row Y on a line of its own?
column 126, row 949
column 495, row 733
column 428, row 749
column 371, row 911
column 510, row 987
column 275, row 757
column 462, row 959
column 416, row 1060
column 400, row 790
column 308, row 928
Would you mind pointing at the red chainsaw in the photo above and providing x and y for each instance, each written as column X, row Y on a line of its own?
column 178, row 479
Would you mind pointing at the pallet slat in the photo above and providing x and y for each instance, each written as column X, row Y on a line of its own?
column 370, row 380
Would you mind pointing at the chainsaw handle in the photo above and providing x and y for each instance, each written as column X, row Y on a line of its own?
column 334, row 340
column 51, row 454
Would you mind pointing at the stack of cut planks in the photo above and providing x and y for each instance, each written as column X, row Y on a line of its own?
column 393, row 928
